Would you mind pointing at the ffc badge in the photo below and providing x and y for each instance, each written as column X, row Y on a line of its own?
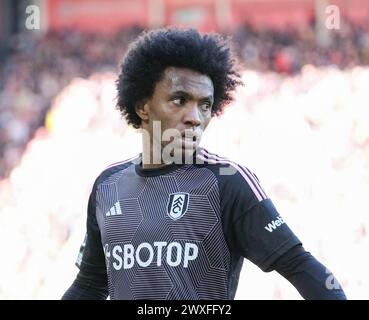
column 177, row 205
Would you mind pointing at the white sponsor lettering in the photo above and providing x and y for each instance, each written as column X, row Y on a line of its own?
column 128, row 258
column 125, row 256
column 169, row 254
column 117, row 257
column 193, row 256
column 159, row 245
column 151, row 254
column 274, row 224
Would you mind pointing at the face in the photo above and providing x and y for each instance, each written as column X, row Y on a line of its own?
column 181, row 104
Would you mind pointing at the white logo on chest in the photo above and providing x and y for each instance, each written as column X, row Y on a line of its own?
column 115, row 210
column 177, row 205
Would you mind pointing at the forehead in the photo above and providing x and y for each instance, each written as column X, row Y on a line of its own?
column 187, row 80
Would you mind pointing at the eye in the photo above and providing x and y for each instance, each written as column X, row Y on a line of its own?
column 205, row 106
column 180, row 101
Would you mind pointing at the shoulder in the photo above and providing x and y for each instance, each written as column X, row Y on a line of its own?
column 232, row 175
column 113, row 169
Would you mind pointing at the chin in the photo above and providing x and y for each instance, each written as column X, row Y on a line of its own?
column 187, row 154
column 180, row 155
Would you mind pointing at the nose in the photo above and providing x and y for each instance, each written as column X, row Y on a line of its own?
column 192, row 116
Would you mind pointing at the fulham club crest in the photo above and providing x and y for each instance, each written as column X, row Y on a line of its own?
column 177, row 205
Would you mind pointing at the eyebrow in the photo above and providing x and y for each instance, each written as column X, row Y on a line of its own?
column 189, row 95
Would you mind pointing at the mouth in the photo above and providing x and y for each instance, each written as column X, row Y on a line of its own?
column 190, row 134
column 189, row 139
column 186, row 143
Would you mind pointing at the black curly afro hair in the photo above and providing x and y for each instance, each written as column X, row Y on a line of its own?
column 154, row 51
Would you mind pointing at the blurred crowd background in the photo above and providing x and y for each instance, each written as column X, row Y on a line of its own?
column 300, row 122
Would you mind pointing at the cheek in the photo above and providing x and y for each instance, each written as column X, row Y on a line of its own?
column 206, row 121
column 160, row 110
column 166, row 118
column 169, row 115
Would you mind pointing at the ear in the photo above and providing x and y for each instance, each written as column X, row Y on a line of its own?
column 142, row 109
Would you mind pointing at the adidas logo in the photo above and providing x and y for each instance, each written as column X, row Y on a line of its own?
column 115, row 210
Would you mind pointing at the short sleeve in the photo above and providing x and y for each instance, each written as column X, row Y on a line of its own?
column 91, row 257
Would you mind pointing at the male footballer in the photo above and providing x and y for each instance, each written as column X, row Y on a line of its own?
column 176, row 221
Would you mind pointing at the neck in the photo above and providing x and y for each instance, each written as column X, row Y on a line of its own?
column 151, row 154
column 152, row 165
column 152, row 158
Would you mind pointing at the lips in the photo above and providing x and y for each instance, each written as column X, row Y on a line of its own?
column 191, row 139
column 190, row 134
column 188, row 144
